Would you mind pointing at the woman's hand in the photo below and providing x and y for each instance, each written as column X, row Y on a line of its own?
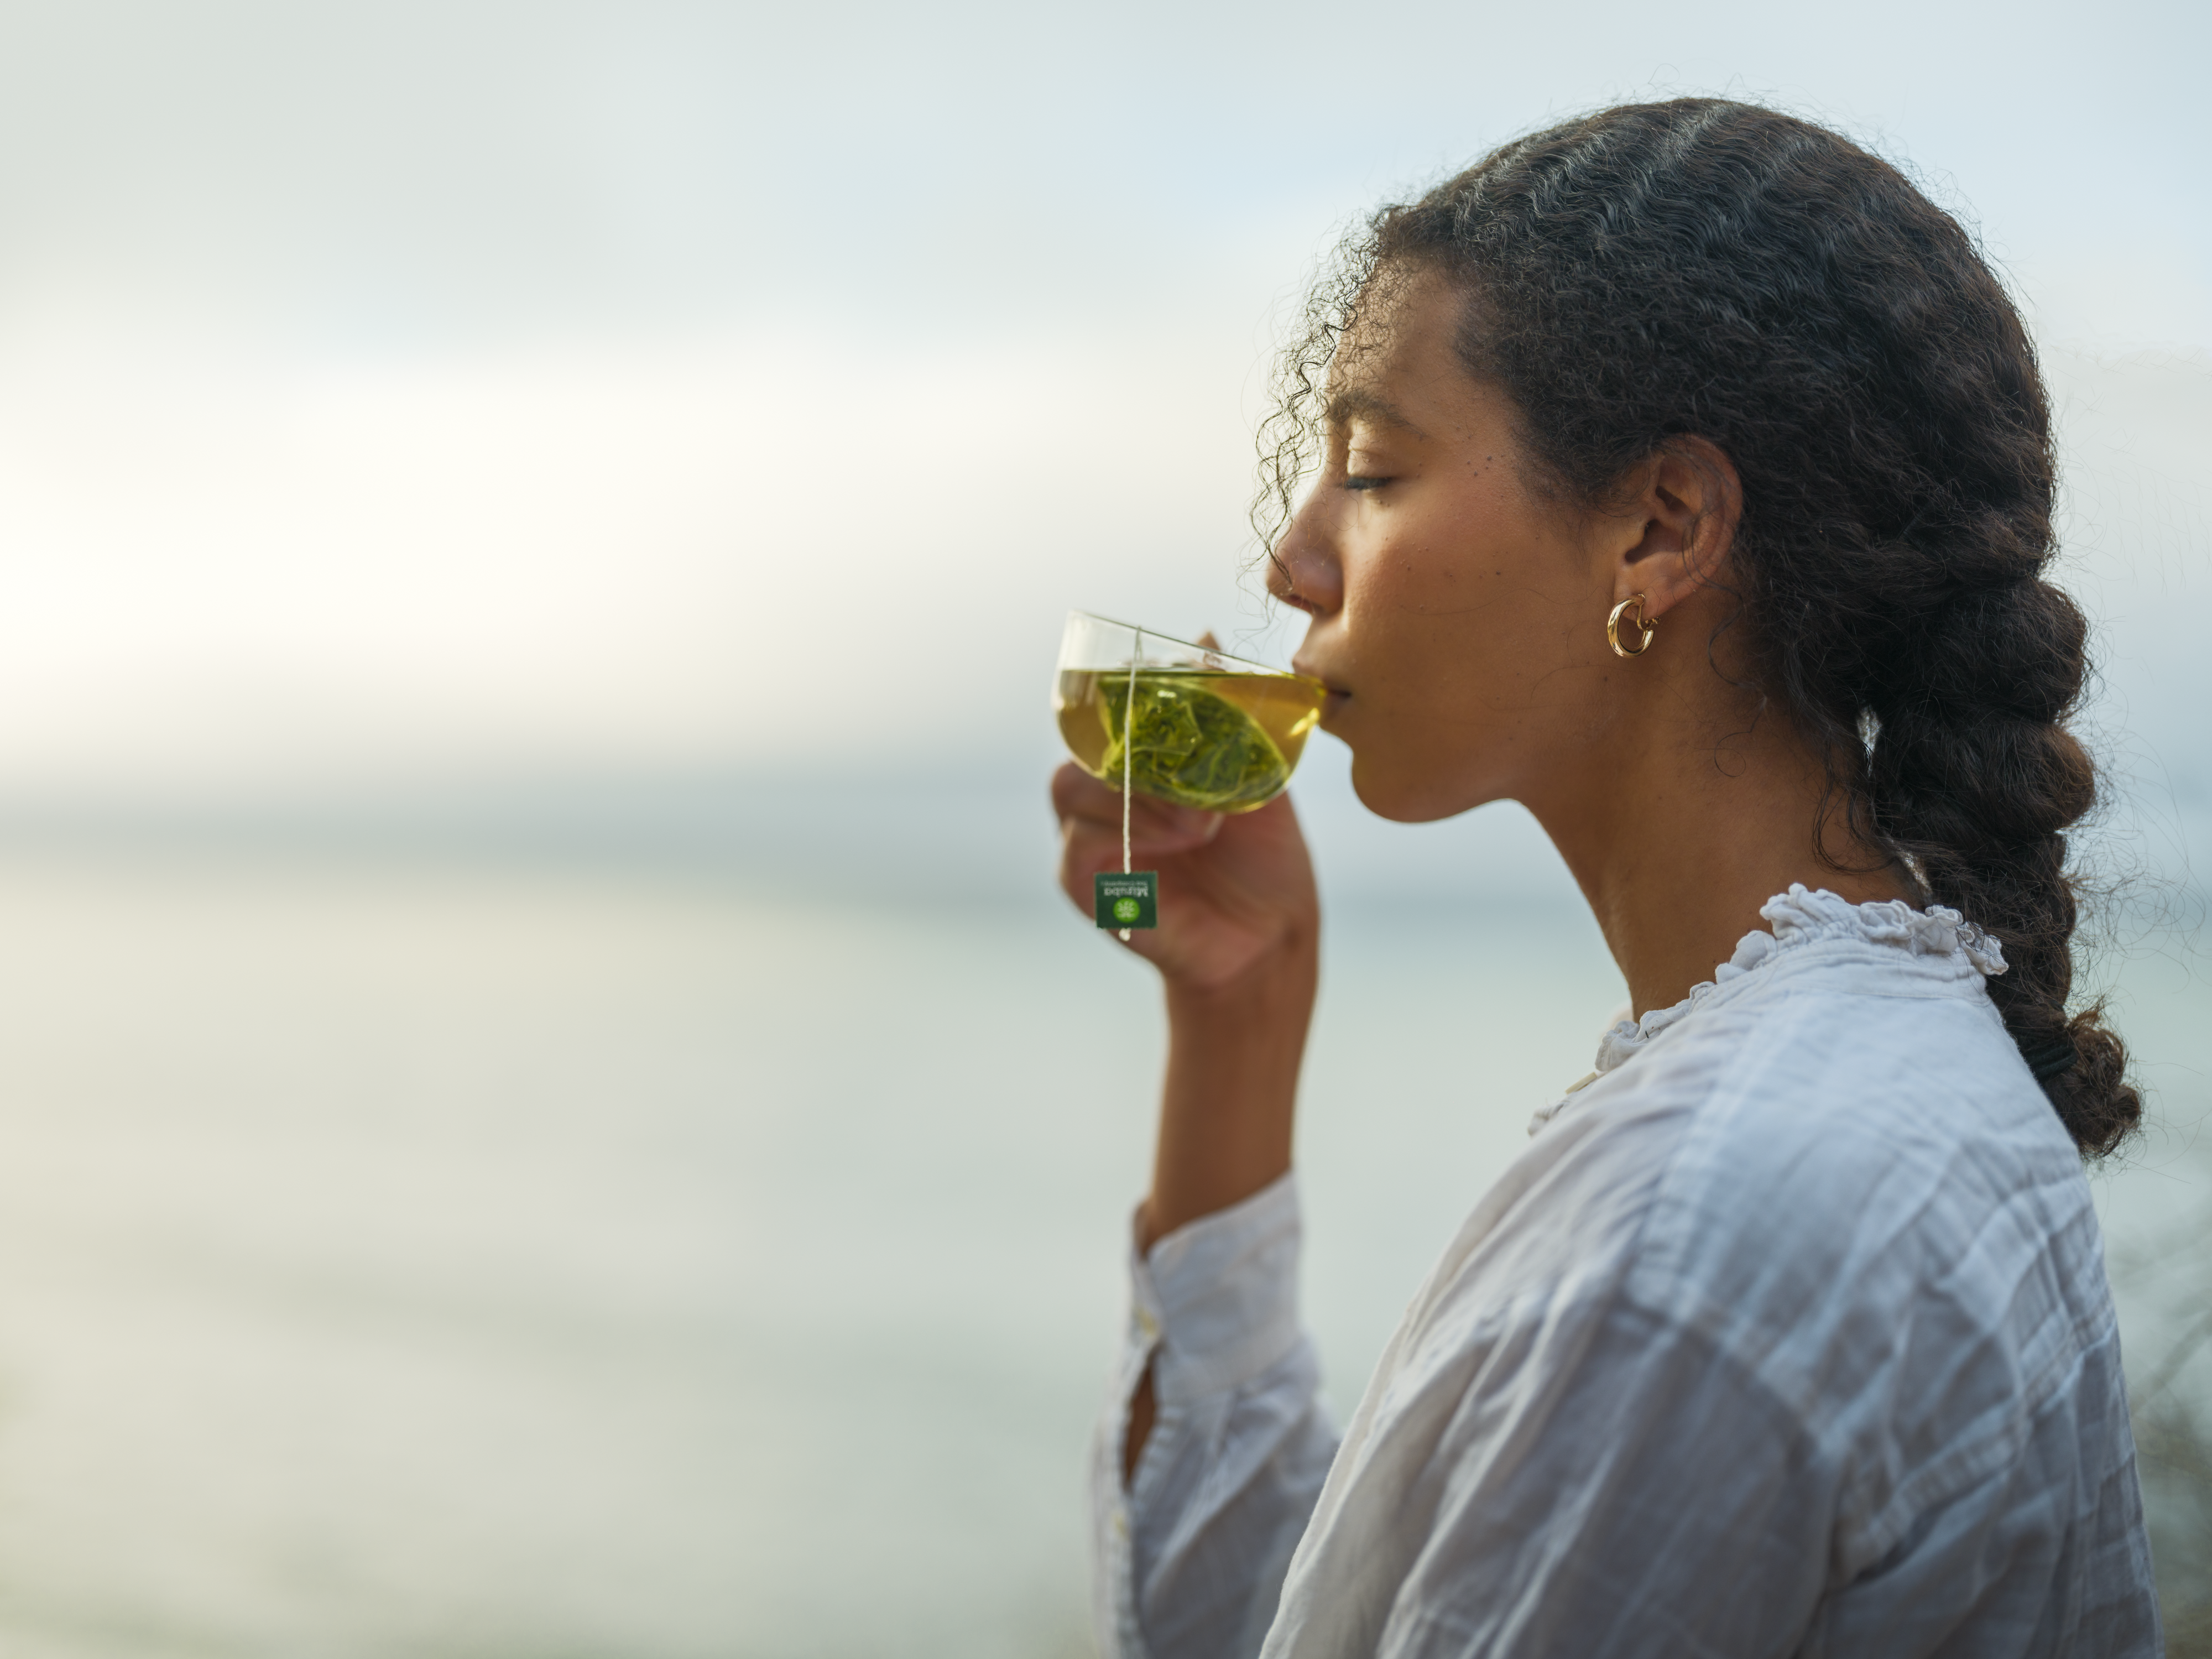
column 1239, row 947
column 1237, row 893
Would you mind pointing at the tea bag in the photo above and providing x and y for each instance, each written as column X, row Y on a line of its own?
column 1130, row 899
column 1189, row 744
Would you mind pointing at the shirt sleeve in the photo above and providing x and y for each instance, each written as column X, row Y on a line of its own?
column 1190, row 1559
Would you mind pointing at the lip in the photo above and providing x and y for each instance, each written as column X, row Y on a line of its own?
column 1336, row 697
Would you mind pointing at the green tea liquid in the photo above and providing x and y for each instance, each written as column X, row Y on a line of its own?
column 1223, row 742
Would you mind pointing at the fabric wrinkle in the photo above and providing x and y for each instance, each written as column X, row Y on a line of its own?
column 1789, row 1326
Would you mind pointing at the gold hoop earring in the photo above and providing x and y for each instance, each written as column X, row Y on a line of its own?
column 1644, row 628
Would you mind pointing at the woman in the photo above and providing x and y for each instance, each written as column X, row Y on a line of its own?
column 1685, row 475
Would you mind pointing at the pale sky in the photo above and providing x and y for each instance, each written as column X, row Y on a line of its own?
column 389, row 392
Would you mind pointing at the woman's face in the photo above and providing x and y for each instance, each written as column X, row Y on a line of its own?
column 1458, row 615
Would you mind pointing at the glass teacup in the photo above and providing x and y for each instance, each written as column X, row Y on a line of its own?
column 1211, row 731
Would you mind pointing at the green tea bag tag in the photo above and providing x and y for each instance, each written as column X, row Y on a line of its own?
column 1129, row 900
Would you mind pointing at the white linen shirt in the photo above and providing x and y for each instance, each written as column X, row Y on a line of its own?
column 1790, row 1334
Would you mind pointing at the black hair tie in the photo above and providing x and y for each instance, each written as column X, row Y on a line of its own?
column 2047, row 1060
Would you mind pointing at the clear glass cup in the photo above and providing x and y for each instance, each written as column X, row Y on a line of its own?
column 1212, row 731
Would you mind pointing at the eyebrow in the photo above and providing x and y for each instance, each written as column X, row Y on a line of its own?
column 1353, row 403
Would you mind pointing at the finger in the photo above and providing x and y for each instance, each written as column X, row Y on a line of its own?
column 1088, row 848
column 1280, row 808
column 1148, row 839
column 1077, row 796
column 1164, row 822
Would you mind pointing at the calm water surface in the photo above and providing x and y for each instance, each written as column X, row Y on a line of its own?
column 399, row 1258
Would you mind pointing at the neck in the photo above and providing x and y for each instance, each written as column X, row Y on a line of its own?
column 1678, row 838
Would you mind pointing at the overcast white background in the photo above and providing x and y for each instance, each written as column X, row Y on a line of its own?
column 396, row 392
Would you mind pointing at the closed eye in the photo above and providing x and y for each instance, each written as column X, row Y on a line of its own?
column 1364, row 481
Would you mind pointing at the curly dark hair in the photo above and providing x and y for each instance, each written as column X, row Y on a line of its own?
column 1707, row 268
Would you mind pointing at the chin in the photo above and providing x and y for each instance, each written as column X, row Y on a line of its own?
column 1409, row 795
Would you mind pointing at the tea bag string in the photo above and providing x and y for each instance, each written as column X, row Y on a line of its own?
column 1129, row 755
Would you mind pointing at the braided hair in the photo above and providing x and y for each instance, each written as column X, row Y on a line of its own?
column 1712, row 268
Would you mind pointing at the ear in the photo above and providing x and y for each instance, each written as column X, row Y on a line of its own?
column 1677, row 526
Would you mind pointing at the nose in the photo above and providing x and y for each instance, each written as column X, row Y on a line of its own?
column 1303, row 571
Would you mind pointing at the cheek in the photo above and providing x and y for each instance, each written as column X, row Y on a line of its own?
column 1436, row 594
column 1463, row 636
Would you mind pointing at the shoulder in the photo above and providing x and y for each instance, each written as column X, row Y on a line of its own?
column 1812, row 1165
column 1866, row 1186
column 1840, row 1101
column 1783, row 1108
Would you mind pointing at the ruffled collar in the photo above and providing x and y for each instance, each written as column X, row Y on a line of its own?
column 1798, row 918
